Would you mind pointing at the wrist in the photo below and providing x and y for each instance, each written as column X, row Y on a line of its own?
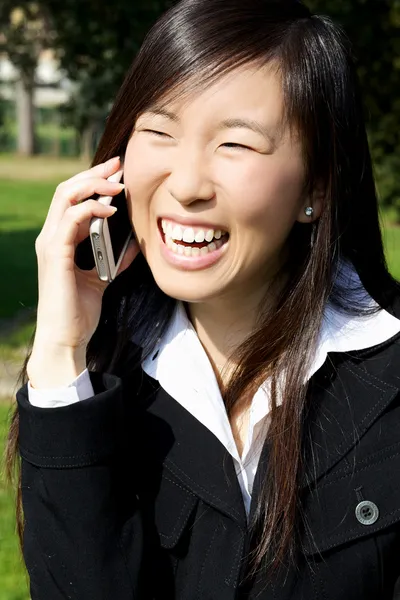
column 52, row 366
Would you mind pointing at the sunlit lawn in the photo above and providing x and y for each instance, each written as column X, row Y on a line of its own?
column 23, row 206
column 392, row 244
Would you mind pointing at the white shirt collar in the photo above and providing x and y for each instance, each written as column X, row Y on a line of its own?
column 183, row 369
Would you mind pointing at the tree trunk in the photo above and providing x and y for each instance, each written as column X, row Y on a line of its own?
column 87, row 141
column 25, row 115
column 57, row 144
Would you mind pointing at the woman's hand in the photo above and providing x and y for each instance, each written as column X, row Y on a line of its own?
column 69, row 298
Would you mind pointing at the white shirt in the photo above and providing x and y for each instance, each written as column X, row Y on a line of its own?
column 181, row 366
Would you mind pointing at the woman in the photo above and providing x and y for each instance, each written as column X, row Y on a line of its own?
column 223, row 420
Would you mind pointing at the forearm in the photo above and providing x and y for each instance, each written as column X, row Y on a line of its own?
column 74, row 500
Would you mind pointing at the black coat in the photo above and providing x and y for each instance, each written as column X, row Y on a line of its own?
column 127, row 496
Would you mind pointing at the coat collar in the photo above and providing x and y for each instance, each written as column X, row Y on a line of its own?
column 352, row 381
column 183, row 369
column 347, row 396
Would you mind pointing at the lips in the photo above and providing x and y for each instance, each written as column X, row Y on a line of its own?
column 187, row 247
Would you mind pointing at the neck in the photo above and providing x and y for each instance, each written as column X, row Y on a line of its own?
column 223, row 324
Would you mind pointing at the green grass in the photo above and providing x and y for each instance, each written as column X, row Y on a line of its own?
column 23, row 206
column 392, row 245
column 27, row 186
column 13, row 579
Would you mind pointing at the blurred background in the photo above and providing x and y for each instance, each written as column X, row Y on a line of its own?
column 61, row 64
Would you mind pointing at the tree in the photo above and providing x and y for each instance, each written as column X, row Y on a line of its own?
column 95, row 42
column 2, row 119
column 374, row 29
column 24, row 33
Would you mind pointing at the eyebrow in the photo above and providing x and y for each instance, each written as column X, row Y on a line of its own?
column 225, row 124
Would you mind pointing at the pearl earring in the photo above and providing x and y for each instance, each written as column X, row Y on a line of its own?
column 309, row 211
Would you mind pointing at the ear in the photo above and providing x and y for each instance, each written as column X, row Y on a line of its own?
column 316, row 201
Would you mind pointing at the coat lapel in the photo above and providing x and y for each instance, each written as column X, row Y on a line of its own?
column 346, row 396
column 186, row 448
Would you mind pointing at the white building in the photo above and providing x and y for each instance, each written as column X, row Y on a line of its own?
column 53, row 87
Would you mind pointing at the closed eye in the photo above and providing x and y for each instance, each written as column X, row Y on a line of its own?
column 227, row 144
column 158, row 133
column 233, row 146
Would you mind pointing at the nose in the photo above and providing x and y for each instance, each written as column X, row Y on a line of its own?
column 190, row 178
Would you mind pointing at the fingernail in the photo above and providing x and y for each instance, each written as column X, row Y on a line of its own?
column 113, row 208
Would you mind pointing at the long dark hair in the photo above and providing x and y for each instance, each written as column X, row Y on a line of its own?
column 190, row 46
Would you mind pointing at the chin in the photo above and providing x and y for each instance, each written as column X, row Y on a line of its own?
column 187, row 291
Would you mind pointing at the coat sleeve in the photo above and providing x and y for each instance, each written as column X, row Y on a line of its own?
column 78, row 498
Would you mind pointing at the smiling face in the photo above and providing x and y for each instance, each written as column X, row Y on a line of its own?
column 214, row 185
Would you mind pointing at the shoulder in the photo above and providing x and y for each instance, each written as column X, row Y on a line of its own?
column 371, row 342
column 381, row 361
column 354, row 407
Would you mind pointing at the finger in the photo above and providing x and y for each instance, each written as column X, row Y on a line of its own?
column 131, row 253
column 70, row 194
column 81, row 190
column 103, row 170
column 93, row 278
column 75, row 216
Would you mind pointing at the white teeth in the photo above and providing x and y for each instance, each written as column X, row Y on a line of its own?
column 191, row 251
column 188, row 235
column 199, row 237
column 177, row 233
column 209, row 235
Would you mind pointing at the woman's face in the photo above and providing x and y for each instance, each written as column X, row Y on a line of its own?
column 214, row 186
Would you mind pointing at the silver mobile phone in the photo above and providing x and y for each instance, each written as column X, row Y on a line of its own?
column 110, row 237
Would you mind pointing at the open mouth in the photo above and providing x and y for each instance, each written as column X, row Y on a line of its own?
column 191, row 241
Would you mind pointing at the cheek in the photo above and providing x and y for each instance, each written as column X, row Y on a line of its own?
column 140, row 167
column 268, row 192
column 142, row 177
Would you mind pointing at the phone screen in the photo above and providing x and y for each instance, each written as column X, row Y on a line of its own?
column 119, row 225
